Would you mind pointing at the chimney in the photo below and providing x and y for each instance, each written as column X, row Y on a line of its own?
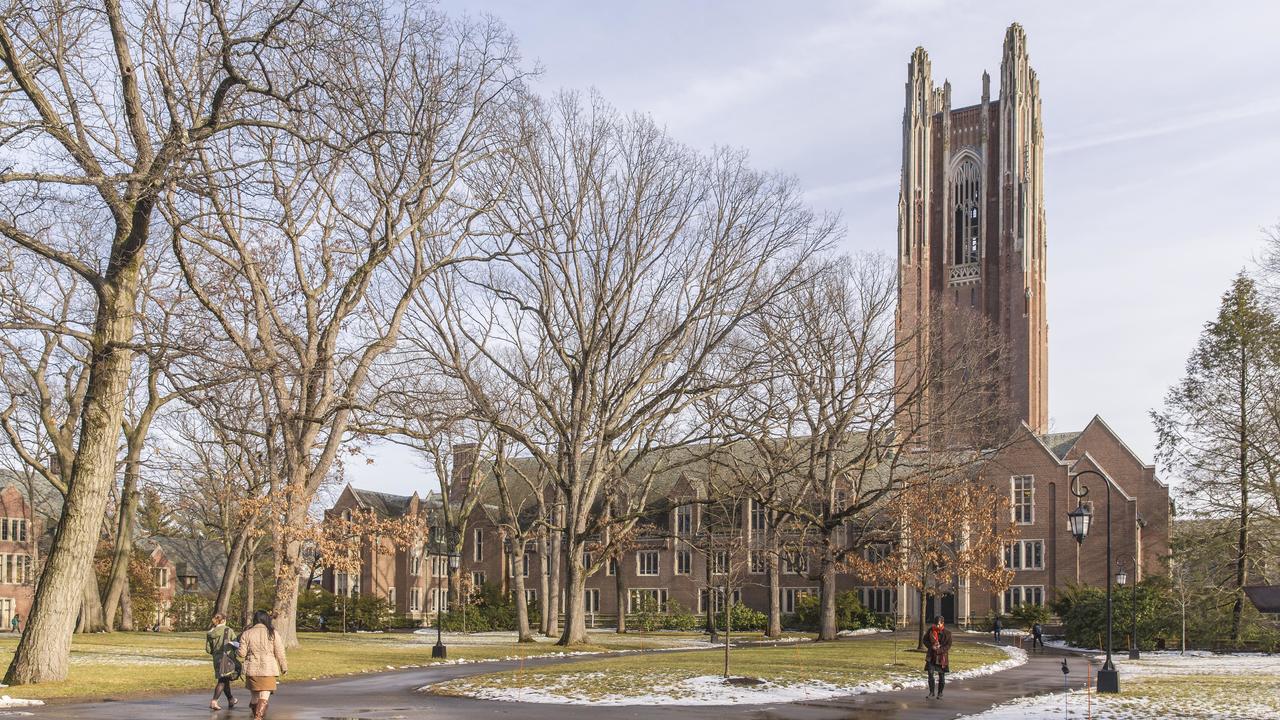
column 464, row 460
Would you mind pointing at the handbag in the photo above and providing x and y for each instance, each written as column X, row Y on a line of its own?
column 226, row 666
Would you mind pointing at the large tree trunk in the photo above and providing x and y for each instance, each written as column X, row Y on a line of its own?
column 517, row 582
column 118, row 577
column 44, row 650
column 544, row 581
column 246, row 613
column 1242, row 545
column 827, row 624
column 90, row 618
column 620, row 590
column 775, row 594
column 285, row 609
column 575, row 615
column 553, row 585
column 126, row 609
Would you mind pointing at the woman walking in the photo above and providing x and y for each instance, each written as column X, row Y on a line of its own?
column 262, row 652
column 218, row 643
column 938, row 641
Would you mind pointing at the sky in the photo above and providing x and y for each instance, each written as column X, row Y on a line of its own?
column 1162, row 143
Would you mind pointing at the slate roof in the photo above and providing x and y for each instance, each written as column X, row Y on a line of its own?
column 1061, row 443
column 384, row 504
column 206, row 559
column 1264, row 597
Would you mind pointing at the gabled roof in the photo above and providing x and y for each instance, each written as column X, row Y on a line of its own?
column 205, row 559
column 1061, row 443
column 384, row 504
column 1264, row 597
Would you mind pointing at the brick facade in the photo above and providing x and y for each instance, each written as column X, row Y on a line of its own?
column 19, row 561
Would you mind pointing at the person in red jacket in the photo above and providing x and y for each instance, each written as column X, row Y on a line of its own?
column 937, row 641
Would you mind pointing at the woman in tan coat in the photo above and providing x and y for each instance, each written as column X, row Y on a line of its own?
column 262, row 652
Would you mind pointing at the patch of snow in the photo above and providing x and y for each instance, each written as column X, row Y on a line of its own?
column 119, row 658
column 861, row 631
column 709, row 689
column 9, row 702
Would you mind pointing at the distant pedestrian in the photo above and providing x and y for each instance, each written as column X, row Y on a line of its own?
column 1037, row 636
column 996, row 627
column 262, row 652
column 15, row 623
column 218, row 643
column 937, row 641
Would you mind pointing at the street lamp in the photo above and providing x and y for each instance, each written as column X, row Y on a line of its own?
column 443, row 549
column 1080, row 520
column 1121, row 578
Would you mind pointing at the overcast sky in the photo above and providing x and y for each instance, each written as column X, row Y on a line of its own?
column 1162, row 138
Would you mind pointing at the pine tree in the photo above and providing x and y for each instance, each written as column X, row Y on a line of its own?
column 1211, row 430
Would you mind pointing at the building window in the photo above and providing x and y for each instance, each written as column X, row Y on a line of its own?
column 415, row 599
column 439, row 600
column 716, row 596
column 640, row 596
column 720, row 562
column 647, row 562
column 758, row 563
column 759, row 516
column 477, row 579
column 795, row 563
column 477, row 545
column 877, row 552
column 415, row 562
column 591, row 600
column 524, row 564
column 1023, row 495
column 879, row 600
column 341, row 583
column 1023, row 595
column 530, row 596
column 391, row 597
column 14, row 529
column 792, row 594
column 966, row 189
column 16, row 569
column 613, row 567
column 161, row 575
column 1024, row 555
column 684, row 562
column 684, row 521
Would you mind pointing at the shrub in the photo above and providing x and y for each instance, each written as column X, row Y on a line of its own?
column 680, row 618
column 487, row 609
column 743, row 618
column 189, row 612
column 850, row 614
column 1027, row 615
column 1084, row 613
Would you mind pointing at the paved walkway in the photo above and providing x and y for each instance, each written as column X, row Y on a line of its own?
column 393, row 696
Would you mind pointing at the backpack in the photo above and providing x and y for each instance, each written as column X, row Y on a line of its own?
column 226, row 666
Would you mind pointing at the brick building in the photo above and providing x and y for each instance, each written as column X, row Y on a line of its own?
column 19, row 562
column 972, row 238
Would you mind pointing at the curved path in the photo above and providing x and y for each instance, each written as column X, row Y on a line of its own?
column 392, row 696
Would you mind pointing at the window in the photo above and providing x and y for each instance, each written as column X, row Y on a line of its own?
column 759, row 516
column 477, row 545
column 647, row 562
column 16, row 569
column 1023, row 595
column 524, row 564
column 530, row 596
column 341, row 583
column 14, row 529
column 391, row 597
column 795, row 563
column 684, row 562
column 684, row 521
column 439, row 566
column 477, row 579
column 877, row 552
column 759, row 563
column 792, row 594
column 1023, row 495
column 1024, row 555
column 591, row 600
column 439, row 600
column 613, row 567
column 586, row 559
column 841, row 499
column 720, row 562
column 880, row 600
column 161, row 575
column 415, row 562
column 967, row 197
column 716, row 596
column 415, row 599
column 638, row 597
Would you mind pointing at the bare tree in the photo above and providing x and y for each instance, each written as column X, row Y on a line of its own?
column 632, row 261
column 308, row 256
column 107, row 105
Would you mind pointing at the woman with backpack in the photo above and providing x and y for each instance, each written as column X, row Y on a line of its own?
column 262, row 652
column 220, row 644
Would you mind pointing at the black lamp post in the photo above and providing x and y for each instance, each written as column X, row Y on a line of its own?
column 1080, row 520
column 1121, row 579
column 443, row 549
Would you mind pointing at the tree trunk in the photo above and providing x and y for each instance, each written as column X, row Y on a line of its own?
column 544, row 582
column 516, row 559
column 89, row 619
column 126, row 609
column 775, row 594
column 827, row 624
column 575, row 615
column 44, row 650
column 118, row 578
column 553, row 585
column 285, row 609
column 920, row 623
column 230, row 570
column 246, row 612
column 620, row 590
column 1242, row 547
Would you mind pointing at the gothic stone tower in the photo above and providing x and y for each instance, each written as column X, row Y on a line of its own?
column 971, row 228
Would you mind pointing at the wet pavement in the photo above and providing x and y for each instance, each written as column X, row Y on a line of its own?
column 393, row 695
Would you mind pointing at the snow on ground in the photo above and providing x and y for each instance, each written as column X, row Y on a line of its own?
column 125, row 658
column 862, row 631
column 1168, row 684
column 603, row 635
column 662, row 689
column 12, row 702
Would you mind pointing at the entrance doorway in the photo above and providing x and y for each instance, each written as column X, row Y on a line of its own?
column 945, row 606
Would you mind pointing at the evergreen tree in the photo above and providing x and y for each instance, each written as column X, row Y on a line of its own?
column 1212, row 430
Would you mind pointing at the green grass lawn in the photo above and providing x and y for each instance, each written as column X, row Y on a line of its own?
column 119, row 665
column 839, row 663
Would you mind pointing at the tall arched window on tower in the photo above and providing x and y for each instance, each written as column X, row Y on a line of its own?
column 966, row 190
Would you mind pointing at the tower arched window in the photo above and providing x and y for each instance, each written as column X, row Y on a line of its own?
column 966, row 189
